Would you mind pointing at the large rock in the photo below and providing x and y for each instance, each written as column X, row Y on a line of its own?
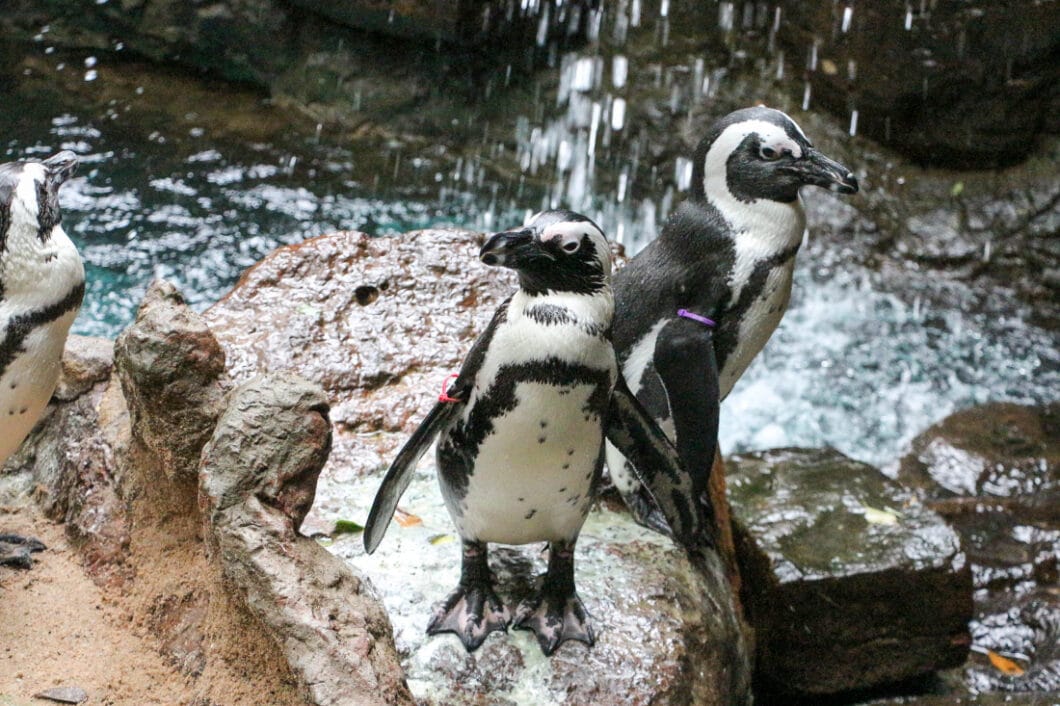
column 379, row 323
column 956, row 83
column 848, row 583
column 257, row 481
column 170, row 367
column 994, row 472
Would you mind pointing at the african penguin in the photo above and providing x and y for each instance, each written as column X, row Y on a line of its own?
column 724, row 260
column 521, row 432
column 42, row 282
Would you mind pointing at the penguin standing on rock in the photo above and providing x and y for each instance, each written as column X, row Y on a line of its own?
column 42, row 282
column 521, row 433
column 711, row 289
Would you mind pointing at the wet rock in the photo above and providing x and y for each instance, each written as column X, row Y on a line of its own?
column 86, row 361
column 170, row 366
column 994, row 472
column 996, row 450
column 379, row 323
column 257, row 481
column 848, row 582
column 964, row 84
column 458, row 21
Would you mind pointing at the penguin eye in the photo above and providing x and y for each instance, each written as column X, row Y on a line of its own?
column 571, row 246
column 769, row 153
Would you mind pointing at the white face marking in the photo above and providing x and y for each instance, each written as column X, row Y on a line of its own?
column 570, row 235
column 761, row 228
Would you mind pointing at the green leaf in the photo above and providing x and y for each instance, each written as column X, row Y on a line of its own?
column 346, row 527
column 958, row 189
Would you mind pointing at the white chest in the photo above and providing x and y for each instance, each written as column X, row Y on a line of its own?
column 28, row 382
column 533, row 475
column 757, row 325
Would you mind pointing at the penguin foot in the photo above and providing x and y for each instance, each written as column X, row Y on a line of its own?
column 15, row 550
column 471, row 613
column 555, row 619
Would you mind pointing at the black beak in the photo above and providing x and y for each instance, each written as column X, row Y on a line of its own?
column 510, row 248
column 60, row 167
column 817, row 169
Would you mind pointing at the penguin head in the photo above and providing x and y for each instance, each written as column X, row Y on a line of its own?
column 559, row 251
column 761, row 153
column 35, row 253
column 29, row 197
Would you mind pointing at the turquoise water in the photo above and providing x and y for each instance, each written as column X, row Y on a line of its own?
column 861, row 362
column 198, row 210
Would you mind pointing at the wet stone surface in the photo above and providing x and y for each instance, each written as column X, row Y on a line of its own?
column 841, row 564
column 994, row 472
column 379, row 324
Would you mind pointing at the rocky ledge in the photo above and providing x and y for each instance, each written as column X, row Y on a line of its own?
column 841, row 563
column 379, row 323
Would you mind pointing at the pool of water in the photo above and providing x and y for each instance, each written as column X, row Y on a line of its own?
column 861, row 362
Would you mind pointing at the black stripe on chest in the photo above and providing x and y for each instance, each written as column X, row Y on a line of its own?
column 552, row 315
column 20, row 327
column 728, row 332
column 456, row 454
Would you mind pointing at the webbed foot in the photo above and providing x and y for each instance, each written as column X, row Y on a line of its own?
column 15, row 550
column 472, row 611
column 555, row 619
column 556, row 614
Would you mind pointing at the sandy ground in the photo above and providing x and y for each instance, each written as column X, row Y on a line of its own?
column 57, row 628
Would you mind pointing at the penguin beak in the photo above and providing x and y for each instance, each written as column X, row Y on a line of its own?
column 819, row 170
column 60, row 167
column 510, row 248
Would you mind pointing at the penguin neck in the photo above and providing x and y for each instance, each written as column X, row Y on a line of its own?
column 35, row 272
column 597, row 307
column 769, row 227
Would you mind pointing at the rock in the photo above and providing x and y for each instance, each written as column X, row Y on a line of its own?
column 257, row 481
column 379, row 323
column 465, row 22
column 86, row 361
column 994, row 472
column 664, row 631
column 64, row 694
column 960, row 84
column 996, row 450
column 847, row 581
column 170, row 367
column 70, row 461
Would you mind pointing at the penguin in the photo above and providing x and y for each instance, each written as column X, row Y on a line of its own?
column 521, row 434
column 720, row 272
column 42, row 283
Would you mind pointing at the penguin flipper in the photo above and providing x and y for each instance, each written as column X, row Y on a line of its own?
column 399, row 475
column 635, row 434
column 685, row 362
